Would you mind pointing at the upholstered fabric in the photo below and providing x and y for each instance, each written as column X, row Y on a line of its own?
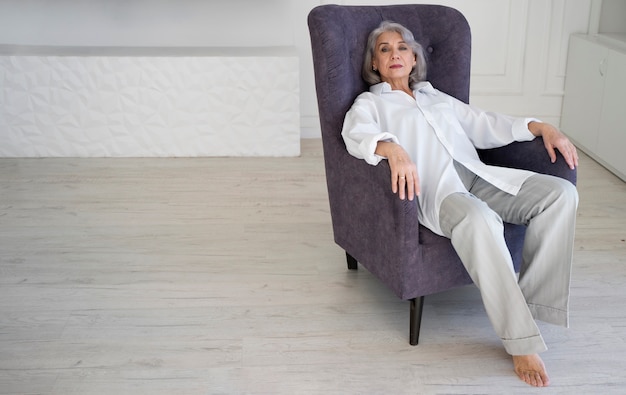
column 369, row 222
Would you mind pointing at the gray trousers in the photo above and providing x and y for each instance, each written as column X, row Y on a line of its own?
column 473, row 221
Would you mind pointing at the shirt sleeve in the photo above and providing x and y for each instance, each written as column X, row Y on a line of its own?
column 361, row 131
column 488, row 129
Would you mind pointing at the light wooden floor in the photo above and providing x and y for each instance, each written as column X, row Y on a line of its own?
column 220, row 276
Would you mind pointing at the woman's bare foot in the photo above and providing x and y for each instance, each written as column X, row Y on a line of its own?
column 530, row 368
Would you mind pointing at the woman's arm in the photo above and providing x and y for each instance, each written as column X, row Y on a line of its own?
column 492, row 130
column 487, row 129
column 364, row 139
column 361, row 130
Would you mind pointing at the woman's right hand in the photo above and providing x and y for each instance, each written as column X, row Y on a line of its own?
column 404, row 178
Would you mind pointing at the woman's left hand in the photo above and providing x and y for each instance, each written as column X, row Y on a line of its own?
column 554, row 139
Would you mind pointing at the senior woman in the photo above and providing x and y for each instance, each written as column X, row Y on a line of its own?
column 429, row 139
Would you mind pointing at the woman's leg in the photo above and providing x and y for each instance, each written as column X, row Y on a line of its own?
column 477, row 235
column 547, row 206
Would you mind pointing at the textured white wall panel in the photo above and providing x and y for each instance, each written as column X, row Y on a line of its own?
column 221, row 104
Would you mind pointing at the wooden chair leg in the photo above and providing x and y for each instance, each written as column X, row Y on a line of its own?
column 352, row 263
column 417, row 305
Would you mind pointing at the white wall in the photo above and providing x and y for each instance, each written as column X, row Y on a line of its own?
column 519, row 46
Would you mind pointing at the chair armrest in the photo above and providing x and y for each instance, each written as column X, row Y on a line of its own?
column 361, row 194
column 370, row 222
column 529, row 155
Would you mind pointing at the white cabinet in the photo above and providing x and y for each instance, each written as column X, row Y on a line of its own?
column 612, row 136
column 594, row 105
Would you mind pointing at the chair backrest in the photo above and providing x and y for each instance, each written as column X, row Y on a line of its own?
column 338, row 38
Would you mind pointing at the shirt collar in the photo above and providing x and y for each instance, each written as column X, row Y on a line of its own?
column 422, row 87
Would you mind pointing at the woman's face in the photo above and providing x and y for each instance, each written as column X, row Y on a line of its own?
column 393, row 58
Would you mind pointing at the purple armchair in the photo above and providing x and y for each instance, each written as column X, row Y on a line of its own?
column 370, row 223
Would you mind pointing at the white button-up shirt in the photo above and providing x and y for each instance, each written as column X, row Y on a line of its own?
column 435, row 129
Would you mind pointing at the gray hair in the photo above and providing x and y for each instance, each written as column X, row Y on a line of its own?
column 419, row 71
